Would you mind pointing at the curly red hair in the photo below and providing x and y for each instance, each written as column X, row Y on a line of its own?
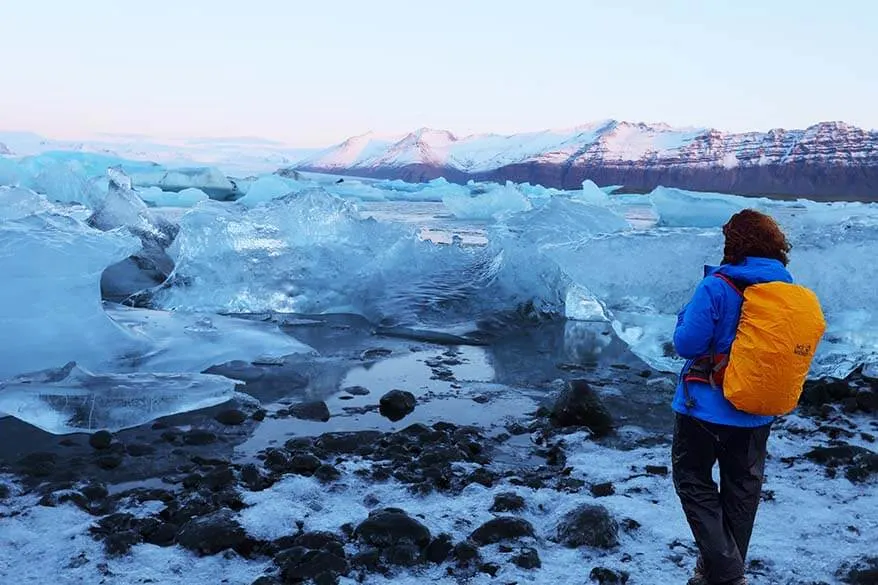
column 751, row 233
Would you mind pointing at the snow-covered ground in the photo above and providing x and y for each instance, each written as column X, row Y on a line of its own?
column 807, row 528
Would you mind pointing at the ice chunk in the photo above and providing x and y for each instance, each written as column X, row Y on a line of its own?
column 678, row 208
column 591, row 194
column 525, row 273
column 270, row 187
column 121, row 207
column 61, row 182
column 433, row 190
column 16, row 203
column 51, row 304
column 73, row 400
column 185, row 198
column 490, row 202
column 309, row 252
column 561, row 219
column 149, row 266
column 642, row 279
column 192, row 342
column 10, row 173
column 208, row 179
column 581, row 305
column 837, row 262
column 77, row 176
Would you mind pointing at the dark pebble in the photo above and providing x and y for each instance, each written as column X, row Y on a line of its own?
column 199, row 437
column 100, row 440
column 601, row 490
column 528, row 558
column 397, row 404
column 391, row 526
column 305, row 464
column 164, row 535
column 500, row 529
column 212, row 533
column 230, row 417
column 603, row 576
column 109, row 461
column 489, row 568
column 466, row 552
column 316, row 411
column 588, row 525
column 439, row 549
column 95, row 491
column 327, row 473
column 507, row 502
column 579, row 405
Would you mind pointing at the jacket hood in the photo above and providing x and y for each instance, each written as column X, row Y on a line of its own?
column 753, row 270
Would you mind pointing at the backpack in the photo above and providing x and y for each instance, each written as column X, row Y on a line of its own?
column 780, row 327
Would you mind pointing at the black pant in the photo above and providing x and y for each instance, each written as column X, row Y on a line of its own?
column 721, row 521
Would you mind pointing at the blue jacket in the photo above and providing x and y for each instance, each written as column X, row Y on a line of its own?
column 709, row 321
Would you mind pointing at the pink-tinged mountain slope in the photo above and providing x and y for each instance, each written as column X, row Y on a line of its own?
column 829, row 161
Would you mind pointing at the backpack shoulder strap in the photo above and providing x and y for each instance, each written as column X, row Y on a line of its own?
column 736, row 283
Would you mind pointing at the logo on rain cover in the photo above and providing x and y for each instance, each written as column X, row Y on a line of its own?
column 803, row 349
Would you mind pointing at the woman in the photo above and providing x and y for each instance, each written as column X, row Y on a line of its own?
column 708, row 428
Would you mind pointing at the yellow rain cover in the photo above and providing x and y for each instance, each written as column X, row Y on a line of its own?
column 780, row 327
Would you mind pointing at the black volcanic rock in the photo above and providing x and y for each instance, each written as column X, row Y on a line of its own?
column 397, row 404
column 500, row 529
column 316, row 411
column 579, row 405
column 588, row 525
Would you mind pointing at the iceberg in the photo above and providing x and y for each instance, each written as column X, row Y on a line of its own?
column 78, row 176
column 193, row 342
column 643, row 278
column 591, row 194
column 560, row 219
column 581, row 305
column 53, row 310
column 304, row 253
column 148, row 267
column 16, row 203
column 270, row 187
column 210, row 180
column 678, row 208
column 640, row 279
column 490, row 202
column 10, row 174
column 71, row 399
column 61, row 183
column 54, row 314
column 155, row 197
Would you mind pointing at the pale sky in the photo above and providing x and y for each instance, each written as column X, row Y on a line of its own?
column 313, row 73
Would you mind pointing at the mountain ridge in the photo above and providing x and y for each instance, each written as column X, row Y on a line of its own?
column 828, row 160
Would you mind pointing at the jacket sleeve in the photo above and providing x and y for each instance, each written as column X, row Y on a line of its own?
column 693, row 335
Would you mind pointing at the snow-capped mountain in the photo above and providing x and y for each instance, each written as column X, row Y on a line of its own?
column 830, row 160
